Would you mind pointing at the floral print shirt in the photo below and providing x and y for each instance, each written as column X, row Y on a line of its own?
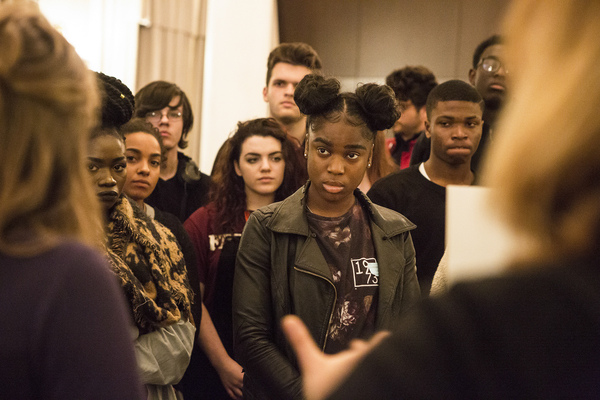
column 347, row 247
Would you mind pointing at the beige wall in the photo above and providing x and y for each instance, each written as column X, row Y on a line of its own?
column 103, row 32
column 171, row 48
column 239, row 36
column 364, row 40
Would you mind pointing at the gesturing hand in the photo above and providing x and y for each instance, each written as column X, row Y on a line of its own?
column 321, row 373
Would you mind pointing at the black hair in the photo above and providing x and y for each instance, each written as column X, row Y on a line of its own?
column 491, row 41
column 101, row 131
column 453, row 90
column 228, row 189
column 371, row 106
column 141, row 125
column 412, row 83
column 294, row 54
column 156, row 96
column 117, row 101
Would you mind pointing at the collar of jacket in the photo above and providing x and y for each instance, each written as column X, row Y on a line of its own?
column 187, row 170
column 290, row 216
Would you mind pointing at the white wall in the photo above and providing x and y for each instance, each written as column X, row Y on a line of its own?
column 103, row 32
column 239, row 36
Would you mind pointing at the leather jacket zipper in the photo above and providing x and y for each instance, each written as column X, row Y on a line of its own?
column 334, row 301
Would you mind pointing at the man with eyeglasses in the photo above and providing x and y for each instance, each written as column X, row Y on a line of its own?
column 182, row 188
column 488, row 76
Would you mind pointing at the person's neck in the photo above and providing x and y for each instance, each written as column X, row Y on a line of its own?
column 407, row 136
column 365, row 184
column 328, row 209
column 140, row 204
column 169, row 168
column 254, row 201
column 296, row 129
column 444, row 174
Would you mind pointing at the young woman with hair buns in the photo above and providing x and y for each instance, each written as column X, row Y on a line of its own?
column 65, row 325
column 345, row 266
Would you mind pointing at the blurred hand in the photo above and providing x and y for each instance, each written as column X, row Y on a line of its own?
column 321, row 373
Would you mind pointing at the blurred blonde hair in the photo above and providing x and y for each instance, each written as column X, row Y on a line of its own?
column 48, row 103
column 545, row 163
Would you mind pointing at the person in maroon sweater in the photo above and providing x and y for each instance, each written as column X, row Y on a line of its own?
column 257, row 167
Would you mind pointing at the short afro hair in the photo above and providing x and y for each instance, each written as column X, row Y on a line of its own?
column 453, row 90
column 412, row 83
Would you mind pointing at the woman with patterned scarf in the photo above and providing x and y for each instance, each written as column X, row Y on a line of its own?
column 144, row 254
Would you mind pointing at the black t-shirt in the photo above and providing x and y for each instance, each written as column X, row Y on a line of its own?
column 423, row 203
column 347, row 246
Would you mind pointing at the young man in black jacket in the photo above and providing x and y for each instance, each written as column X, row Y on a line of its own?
column 182, row 188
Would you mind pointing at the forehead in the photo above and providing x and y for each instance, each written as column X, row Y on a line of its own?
column 496, row 50
column 174, row 101
column 260, row 145
column 288, row 72
column 405, row 104
column 106, row 146
column 139, row 140
column 456, row 109
column 339, row 134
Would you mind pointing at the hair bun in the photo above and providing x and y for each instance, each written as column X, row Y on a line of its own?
column 117, row 101
column 35, row 59
column 379, row 105
column 314, row 94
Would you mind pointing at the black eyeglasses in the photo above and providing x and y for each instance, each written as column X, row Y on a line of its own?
column 491, row 65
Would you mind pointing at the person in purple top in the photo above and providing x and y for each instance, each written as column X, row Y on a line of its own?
column 65, row 327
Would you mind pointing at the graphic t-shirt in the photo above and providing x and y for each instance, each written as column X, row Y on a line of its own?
column 347, row 246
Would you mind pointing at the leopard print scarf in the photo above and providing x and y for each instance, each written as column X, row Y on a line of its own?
column 148, row 261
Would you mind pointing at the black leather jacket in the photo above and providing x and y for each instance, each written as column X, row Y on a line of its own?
column 280, row 270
